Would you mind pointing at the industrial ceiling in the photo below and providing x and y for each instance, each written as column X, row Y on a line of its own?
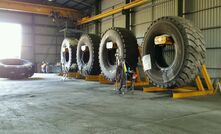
column 85, row 6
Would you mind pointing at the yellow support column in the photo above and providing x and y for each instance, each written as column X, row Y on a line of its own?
column 191, row 94
column 207, row 78
column 199, row 83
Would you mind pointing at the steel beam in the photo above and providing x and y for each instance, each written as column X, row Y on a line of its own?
column 37, row 8
column 97, row 11
column 130, row 5
column 180, row 8
column 82, row 3
column 127, row 16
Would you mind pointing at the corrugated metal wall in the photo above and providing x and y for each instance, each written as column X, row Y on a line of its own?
column 40, row 38
column 47, row 40
column 116, row 20
column 144, row 15
column 207, row 15
column 204, row 13
column 141, row 17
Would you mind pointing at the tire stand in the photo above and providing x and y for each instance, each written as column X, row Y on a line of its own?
column 185, row 92
column 76, row 75
column 92, row 78
column 218, row 87
column 101, row 78
column 104, row 80
column 128, row 86
column 139, row 82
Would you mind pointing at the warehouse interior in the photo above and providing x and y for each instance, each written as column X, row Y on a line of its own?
column 61, row 93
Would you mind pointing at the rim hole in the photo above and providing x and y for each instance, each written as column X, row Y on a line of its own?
column 111, row 53
column 165, row 52
column 111, row 56
column 66, row 54
column 85, row 54
column 169, row 54
column 165, row 55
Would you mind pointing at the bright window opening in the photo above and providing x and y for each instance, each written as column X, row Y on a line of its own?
column 10, row 40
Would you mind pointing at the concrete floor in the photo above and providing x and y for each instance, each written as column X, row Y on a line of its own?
column 46, row 105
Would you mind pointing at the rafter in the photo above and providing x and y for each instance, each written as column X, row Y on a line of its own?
column 37, row 8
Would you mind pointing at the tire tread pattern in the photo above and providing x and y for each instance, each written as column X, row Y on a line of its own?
column 195, row 52
column 130, row 48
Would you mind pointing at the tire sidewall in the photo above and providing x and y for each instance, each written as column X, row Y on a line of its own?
column 25, row 70
column 176, row 66
column 85, row 67
column 65, row 64
column 107, row 69
column 71, row 45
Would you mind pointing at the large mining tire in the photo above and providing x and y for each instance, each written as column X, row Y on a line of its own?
column 127, row 48
column 68, row 55
column 176, row 65
column 87, row 60
column 16, row 68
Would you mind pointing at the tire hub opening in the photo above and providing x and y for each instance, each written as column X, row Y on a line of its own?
column 111, row 56
column 66, row 54
column 111, row 53
column 165, row 54
column 85, row 54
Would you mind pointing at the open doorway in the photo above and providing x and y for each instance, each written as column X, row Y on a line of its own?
column 10, row 40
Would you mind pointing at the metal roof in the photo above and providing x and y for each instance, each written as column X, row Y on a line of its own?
column 85, row 6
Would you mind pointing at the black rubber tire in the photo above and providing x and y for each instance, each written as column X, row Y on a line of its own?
column 190, row 52
column 68, row 55
column 89, row 66
column 127, row 48
column 16, row 68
